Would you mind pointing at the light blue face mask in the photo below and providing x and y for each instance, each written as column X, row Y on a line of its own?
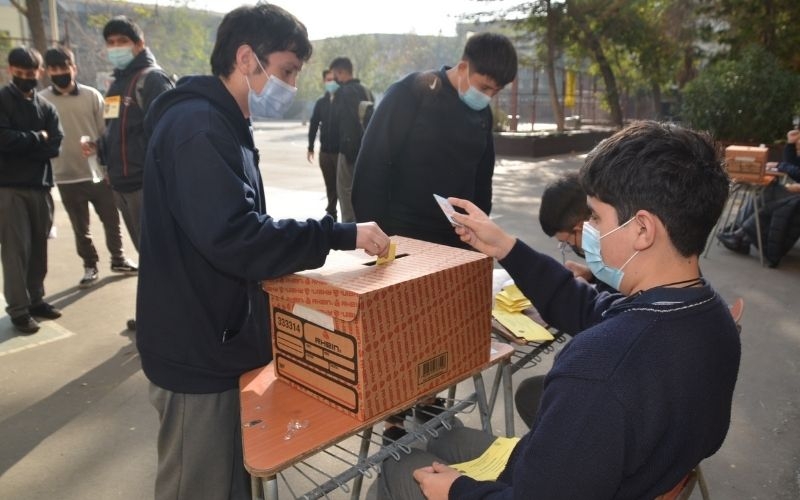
column 331, row 86
column 591, row 247
column 120, row 57
column 473, row 97
column 274, row 100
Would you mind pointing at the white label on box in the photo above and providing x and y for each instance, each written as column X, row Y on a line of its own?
column 314, row 316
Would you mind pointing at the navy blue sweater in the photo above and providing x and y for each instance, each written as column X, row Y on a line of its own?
column 638, row 398
column 207, row 242
column 423, row 140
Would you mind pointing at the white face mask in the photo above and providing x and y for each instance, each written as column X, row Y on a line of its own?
column 274, row 100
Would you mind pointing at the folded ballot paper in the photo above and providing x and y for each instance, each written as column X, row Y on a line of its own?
column 510, row 307
column 488, row 466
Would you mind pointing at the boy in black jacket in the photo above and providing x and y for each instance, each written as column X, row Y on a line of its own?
column 643, row 391
column 208, row 242
column 29, row 137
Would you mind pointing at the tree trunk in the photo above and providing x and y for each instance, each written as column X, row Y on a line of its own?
column 655, row 91
column 612, row 92
column 558, row 109
column 32, row 10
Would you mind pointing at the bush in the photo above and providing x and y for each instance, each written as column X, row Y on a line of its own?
column 749, row 100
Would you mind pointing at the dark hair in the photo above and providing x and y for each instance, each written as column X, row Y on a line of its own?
column 670, row 171
column 121, row 25
column 342, row 63
column 563, row 205
column 58, row 57
column 493, row 55
column 25, row 57
column 265, row 28
column 325, row 72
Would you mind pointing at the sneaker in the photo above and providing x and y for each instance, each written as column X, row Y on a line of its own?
column 735, row 242
column 25, row 324
column 124, row 266
column 44, row 310
column 131, row 324
column 89, row 277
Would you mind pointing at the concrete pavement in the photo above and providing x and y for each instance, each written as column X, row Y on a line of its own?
column 75, row 422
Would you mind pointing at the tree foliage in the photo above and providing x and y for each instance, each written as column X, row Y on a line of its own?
column 750, row 99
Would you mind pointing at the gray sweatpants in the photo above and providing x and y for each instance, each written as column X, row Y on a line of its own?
column 199, row 446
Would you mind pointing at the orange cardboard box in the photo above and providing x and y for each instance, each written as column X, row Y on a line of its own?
column 745, row 162
column 368, row 339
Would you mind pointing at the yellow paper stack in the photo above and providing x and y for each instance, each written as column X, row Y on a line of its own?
column 508, row 306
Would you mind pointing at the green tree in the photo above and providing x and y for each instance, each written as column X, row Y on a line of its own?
column 32, row 10
column 750, row 99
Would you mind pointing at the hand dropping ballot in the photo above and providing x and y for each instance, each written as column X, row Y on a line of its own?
column 447, row 208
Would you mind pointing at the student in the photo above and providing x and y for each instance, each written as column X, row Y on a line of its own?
column 432, row 134
column 81, row 183
column 643, row 391
column 349, row 129
column 328, row 142
column 208, row 242
column 30, row 136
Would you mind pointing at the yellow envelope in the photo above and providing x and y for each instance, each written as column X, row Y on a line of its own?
column 522, row 326
column 488, row 466
column 389, row 257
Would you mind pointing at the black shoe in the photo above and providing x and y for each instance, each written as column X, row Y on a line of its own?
column 25, row 324
column 735, row 242
column 392, row 434
column 124, row 266
column 44, row 310
column 131, row 325
column 424, row 413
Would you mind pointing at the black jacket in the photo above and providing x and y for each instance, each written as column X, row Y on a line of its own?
column 124, row 144
column 345, row 118
column 24, row 153
column 207, row 242
column 321, row 119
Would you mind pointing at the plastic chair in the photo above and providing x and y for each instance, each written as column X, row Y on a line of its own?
column 683, row 490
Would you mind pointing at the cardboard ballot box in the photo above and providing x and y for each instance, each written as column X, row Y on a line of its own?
column 371, row 338
column 745, row 162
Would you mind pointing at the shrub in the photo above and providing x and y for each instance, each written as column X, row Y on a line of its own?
column 749, row 100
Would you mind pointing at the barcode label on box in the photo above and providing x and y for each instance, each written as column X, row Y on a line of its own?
column 431, row 368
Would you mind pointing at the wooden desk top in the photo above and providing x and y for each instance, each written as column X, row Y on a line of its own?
column 268, row 405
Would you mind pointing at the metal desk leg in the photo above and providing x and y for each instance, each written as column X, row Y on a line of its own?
column 756, row 194
column 270, row 486
column 362, row 456
column 483, row 406
column 508, row 397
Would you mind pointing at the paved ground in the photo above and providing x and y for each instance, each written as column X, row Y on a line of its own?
column 75, row 423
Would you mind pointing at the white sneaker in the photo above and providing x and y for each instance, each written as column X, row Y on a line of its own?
column 89, row 277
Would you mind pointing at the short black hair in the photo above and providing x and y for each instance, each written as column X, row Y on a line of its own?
column 58, row 57
column 493, row 55
column 325, row 72
column 342, row 63
column 121, row 25
column 25, row 57
column 673, row 172
column 563, row 205
column 265, row 28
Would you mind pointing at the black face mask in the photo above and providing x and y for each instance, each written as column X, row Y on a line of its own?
column 25, row 85
column 61, row 81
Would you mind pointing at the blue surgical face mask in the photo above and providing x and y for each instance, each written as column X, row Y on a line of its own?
column 331, row 86
column 120, row 57
column 473, row 97
column 591, row 247
column 274, row 100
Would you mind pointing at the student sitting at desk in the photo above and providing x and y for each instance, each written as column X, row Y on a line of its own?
column 779, row 214
column 643, row 392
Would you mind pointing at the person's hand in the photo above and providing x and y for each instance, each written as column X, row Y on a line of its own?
column 310, row 157
column 793, row 187
column 792, row 136
column 478, row 231
column 435, row 481
column 579, row 270
column 88, row 148
column 372, row 239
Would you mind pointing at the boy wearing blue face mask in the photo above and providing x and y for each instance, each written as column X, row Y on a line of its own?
column 432, row 134
column 643, row 391
column 208, row 242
